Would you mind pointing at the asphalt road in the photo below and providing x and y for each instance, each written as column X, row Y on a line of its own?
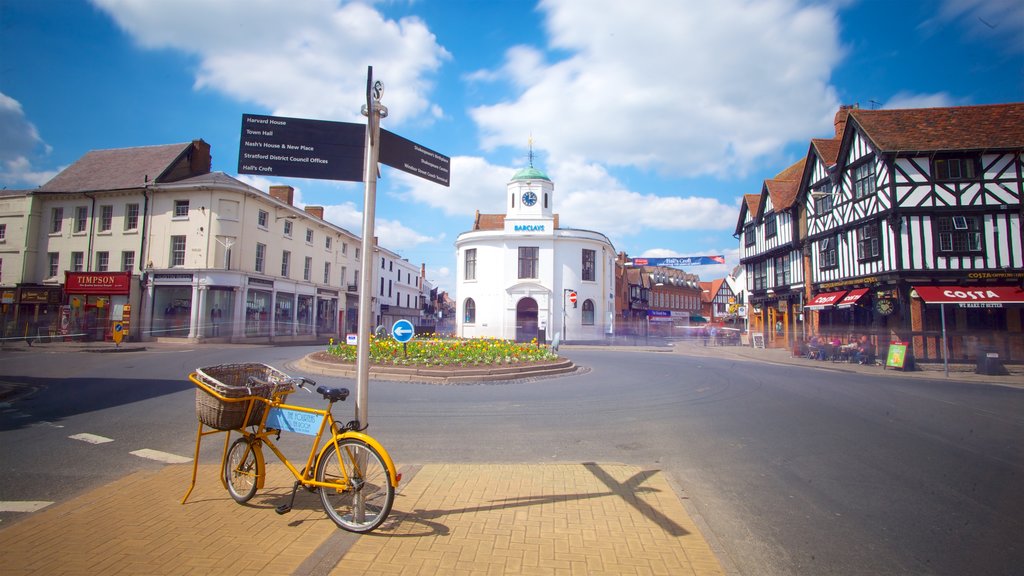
column 794, row 470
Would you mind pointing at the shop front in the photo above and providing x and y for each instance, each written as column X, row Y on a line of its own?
column 34, row 311
column 94, row 300
column 967, row 321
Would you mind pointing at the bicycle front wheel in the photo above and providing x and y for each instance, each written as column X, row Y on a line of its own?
column 241, row 470
column 364, row 495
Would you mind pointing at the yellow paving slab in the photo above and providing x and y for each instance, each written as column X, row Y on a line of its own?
column 448, row 518
column 534, row 519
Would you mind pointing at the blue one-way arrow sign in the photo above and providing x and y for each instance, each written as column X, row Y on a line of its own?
column 402, row 331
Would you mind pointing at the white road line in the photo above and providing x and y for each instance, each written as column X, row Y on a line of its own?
column 23, row 505
column 91, row 438
column 164, row 457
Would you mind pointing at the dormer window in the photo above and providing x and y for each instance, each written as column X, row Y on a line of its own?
column 770, row 227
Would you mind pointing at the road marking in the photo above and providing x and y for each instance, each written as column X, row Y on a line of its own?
column 23, row 505
column 91, row 438
column 159, row 456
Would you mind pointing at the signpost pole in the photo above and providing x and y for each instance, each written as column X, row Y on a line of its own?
column 374, row 111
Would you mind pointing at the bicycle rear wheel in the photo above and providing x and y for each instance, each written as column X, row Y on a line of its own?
column 241, row 470
column 364, row 497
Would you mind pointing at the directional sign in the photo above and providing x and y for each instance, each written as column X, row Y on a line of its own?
column 417, row 160
column 402, row 331
column 295, row 147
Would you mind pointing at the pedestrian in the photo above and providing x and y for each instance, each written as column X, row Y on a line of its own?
column 713, row 334
column 705, row 335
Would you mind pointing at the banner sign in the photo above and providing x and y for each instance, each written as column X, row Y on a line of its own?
column 685, row 261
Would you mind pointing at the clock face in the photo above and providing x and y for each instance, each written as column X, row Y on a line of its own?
column 529, row 198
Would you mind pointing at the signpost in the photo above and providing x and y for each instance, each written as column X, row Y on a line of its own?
column 300, row 148
column 402, row 331
column 278, row 146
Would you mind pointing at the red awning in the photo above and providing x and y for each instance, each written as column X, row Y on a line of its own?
column 825, row 300
column 851, row 298
column 971, row 296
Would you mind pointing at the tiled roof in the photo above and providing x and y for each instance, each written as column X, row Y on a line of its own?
column 782, row 192
column 753, row 202
column 828, row 149
column 793, row 172
column 996, row 126
column 118, row 169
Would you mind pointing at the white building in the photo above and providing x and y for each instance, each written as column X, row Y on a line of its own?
column 151, row 237
column 518, row 272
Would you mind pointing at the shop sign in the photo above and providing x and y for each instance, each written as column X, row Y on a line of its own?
column 7, row 297
column 38, row 295
column 261, row 282
column 97, row 282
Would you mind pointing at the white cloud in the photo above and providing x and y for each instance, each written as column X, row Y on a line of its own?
column 986, row 18
column 684, row 88
column 305, row 59
column 19, row 143
column 392, row 234
column 911, row 100
column 476, row 184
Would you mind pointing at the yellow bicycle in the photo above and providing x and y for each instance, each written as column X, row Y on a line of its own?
column 352, row 472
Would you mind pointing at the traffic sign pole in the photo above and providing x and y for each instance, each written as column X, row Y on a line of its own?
column 374, row 111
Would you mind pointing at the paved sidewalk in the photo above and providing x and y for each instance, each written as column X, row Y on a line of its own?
column 585, row 518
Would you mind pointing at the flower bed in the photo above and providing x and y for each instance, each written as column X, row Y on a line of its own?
column 432, row 350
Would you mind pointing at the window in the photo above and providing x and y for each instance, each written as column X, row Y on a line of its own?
column 131, row 217
column 3, row 232
column 947, row 169
column 588, row 313
column 181, row 208
column 589, row 265
column 344, row 248
column 327, row 242
column 54, row 262
column 77, row 261
column 770, row 228
column 177, row 250
column 261, row 257
column 827, row 248
column 783, row 274
column 381, row 263
column 358, row 251
column 56, row 220
column 471, row 264
column 288, row 228
column 528, row 256
column 309, row 235
column 344, row 274
column 469, row 312
column 822, row 196
column 106, row 218
column 864, row 180
column 127, row 261
column 262, row 217
column 307, row 269
column 959, row 234
column 869, row 242
column 749, row 238
column 102, row 261
column 286, row 259
column 327, row 273
column 81, row 218
column 760, row 274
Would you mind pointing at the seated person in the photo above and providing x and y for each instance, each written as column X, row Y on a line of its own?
column 865, row 351
column 814, row 348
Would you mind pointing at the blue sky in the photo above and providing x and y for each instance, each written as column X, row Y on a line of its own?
column 652, row 117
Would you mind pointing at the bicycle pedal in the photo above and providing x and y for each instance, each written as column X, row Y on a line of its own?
column 283, row 509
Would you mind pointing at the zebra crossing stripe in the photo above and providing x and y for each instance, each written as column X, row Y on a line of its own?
column 91, row 438
column 23, row 505
column 165, row 457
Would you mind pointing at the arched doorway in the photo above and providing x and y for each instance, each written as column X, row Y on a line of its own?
column 526, row 320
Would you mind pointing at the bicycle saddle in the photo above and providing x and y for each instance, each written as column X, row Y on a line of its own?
column 333, row 394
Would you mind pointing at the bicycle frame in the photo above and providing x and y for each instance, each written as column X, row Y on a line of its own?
column 262, row 436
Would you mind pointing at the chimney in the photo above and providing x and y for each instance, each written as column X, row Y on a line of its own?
column 841, row 116
column 200, row 160
column 283, row 193
column 317, row 211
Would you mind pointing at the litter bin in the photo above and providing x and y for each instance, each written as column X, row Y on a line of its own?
column 989, row 362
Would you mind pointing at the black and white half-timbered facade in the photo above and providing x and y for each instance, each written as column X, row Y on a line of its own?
column 920, row 207
column 770, row 232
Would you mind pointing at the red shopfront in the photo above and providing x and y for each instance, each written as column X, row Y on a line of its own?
column 94, row 301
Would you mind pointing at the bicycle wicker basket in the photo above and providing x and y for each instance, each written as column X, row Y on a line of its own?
column 237, row 381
